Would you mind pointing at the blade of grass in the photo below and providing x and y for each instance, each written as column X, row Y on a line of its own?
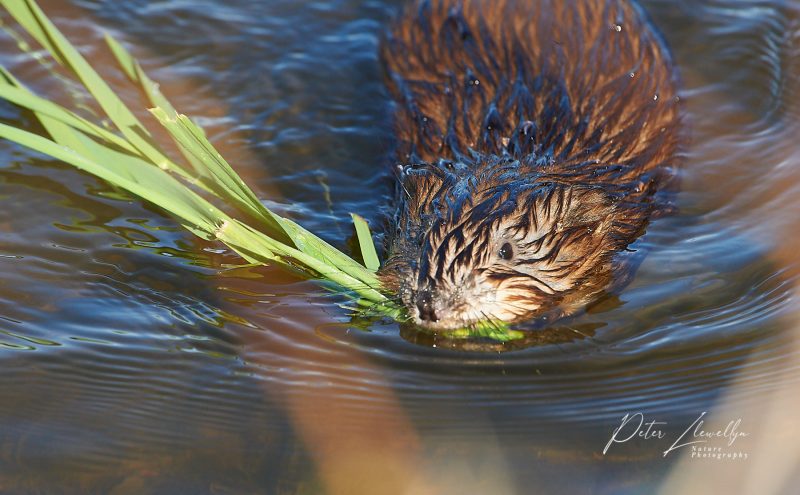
column 499, row 331
column 365, row 243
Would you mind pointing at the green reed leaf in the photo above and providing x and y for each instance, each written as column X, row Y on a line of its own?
column 365, row 243
column 494, row 330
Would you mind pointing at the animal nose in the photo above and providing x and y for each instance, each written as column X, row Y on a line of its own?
column 425, row 306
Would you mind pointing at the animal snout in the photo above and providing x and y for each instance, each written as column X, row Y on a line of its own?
column 425, row 306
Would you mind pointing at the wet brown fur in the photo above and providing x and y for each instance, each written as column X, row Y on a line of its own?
column 550, row 121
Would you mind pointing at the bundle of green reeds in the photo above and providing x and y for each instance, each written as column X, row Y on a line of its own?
column 204, row 194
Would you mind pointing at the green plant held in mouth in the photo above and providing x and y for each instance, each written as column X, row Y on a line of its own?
column 193, row 192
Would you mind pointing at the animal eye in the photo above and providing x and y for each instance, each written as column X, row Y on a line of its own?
column 506, row 252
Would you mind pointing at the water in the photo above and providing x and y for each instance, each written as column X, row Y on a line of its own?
column 137, row 359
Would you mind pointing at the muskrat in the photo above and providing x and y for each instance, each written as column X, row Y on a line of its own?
column 535, row 139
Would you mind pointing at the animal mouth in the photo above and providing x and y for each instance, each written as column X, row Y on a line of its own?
column 429, row 317
column 434, row 309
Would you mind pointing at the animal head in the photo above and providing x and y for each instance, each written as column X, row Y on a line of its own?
column 476, row 245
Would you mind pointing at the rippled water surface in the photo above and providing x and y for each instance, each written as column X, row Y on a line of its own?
column 137, row 359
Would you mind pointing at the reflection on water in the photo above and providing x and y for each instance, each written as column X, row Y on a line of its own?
column 137, row 359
